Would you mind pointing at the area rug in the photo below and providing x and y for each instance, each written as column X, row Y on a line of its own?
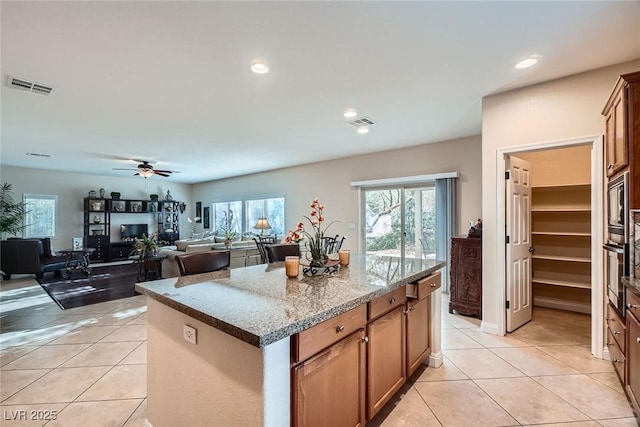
column 105, row 283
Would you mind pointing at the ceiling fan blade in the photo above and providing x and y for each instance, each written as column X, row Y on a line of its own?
column 136, row 174
column 160, row 173
column 163, row 171
column 125, row 169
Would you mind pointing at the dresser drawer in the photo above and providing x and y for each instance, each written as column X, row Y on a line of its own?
column 617, row 328
column 311, row 341
column 387, row 302
column 633, row 303
column 617, row 357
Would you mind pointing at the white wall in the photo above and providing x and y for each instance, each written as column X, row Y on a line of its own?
column 72, row 188
column 330, row 182
column 556, row 110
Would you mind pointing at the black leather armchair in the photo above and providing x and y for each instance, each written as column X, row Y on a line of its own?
column 28, row 256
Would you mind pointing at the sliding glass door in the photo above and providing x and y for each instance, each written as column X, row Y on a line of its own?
column 400, row 221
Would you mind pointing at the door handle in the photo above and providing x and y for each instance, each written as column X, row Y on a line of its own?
column 532, row 249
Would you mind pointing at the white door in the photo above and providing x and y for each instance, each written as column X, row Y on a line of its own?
column 519, row 293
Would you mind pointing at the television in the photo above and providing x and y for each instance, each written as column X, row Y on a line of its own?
column 132, row 231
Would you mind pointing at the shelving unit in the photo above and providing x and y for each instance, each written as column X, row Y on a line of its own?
column 97, row 223
column 561, row 236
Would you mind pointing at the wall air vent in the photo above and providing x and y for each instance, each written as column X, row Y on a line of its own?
column 28, row 86
column 362, row 122
column 38, row 155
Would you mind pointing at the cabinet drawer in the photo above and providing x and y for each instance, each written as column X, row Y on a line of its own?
column 309, row 342
column 617, row 358
column 424, row 287
column 633, row 303
column 616, row 327
column 387, row 302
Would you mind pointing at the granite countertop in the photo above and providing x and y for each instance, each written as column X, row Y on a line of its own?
column 633, row 284
column 260, row 305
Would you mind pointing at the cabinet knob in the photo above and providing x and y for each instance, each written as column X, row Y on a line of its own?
column 632, row 306
column 413, row 307
column 339, row 329
column 609, row 166
column 609, row 344
column 638, row 340
column 365, row 339
column 433, row 285
column 392, row 300
column 615, row 361
column 614, row 332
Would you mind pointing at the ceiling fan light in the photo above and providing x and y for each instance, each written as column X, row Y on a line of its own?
column 146, row 173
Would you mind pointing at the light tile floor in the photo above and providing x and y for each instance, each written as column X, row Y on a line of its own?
column 87, row 367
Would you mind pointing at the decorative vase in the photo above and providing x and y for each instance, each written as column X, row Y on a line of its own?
column 102, row 193
column 115, row 195
column 227, row 243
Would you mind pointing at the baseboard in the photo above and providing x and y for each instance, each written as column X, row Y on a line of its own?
column 605, row 354
column 147, row 423
column 435, row 359
column 489, row 328
column 560, row 304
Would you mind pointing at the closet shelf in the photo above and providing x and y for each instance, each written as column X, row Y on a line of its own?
column 560, row 233
column 562, row 258
column 561, row 209
column 562, row 283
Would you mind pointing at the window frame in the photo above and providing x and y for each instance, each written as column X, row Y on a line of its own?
column 28, row 199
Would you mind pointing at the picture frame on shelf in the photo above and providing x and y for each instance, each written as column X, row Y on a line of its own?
column 198, row 212
column 78, row 243
column 205, row 217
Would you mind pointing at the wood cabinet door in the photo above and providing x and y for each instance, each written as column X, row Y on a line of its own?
column 329, row 388
column 386, row 357
column 633, row 359
column 616, row 137
column 418, row 327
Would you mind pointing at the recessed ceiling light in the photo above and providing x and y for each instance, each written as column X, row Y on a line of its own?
column 258, row 66
column 527, row 62
column 363, row 130
column 350, row 113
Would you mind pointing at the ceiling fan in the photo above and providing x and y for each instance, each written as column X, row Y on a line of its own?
column 145, row 170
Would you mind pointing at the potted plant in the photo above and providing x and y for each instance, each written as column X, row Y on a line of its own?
column 11, row 214
column 227, row 228
column 146, row 247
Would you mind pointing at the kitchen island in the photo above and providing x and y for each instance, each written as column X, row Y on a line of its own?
column 247, row 324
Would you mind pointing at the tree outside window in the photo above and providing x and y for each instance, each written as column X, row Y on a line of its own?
column 40, row 220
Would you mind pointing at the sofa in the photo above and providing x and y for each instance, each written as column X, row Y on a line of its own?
column 243, row 253
column 29, row 256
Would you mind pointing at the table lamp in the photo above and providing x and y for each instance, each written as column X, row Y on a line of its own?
column 262, row 225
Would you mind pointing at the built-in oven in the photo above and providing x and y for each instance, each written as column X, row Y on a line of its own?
column 617, row 209
column 616, row 267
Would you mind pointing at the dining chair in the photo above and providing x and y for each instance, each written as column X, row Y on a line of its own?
column 203, row 262
column 268, row 240
column 333, row 244
column 264, row 259
column 278, row 252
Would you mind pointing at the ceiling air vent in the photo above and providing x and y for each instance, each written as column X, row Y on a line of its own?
column 28, row 86
column 362, row 122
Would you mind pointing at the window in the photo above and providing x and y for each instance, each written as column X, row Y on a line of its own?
column 40, row 220
column 227, row 217
column 272, row 209
column 242, row 215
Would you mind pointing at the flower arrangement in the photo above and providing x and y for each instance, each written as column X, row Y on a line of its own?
column 314, row 239
column 192, row 224
column 146, row 247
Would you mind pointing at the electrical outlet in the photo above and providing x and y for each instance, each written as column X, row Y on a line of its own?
column 190, row 334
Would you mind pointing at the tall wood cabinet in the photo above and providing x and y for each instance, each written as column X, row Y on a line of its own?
column 622, row 133
column 561, row 236
column 466, row 276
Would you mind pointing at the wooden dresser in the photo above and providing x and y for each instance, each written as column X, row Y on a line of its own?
column 466, row 276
